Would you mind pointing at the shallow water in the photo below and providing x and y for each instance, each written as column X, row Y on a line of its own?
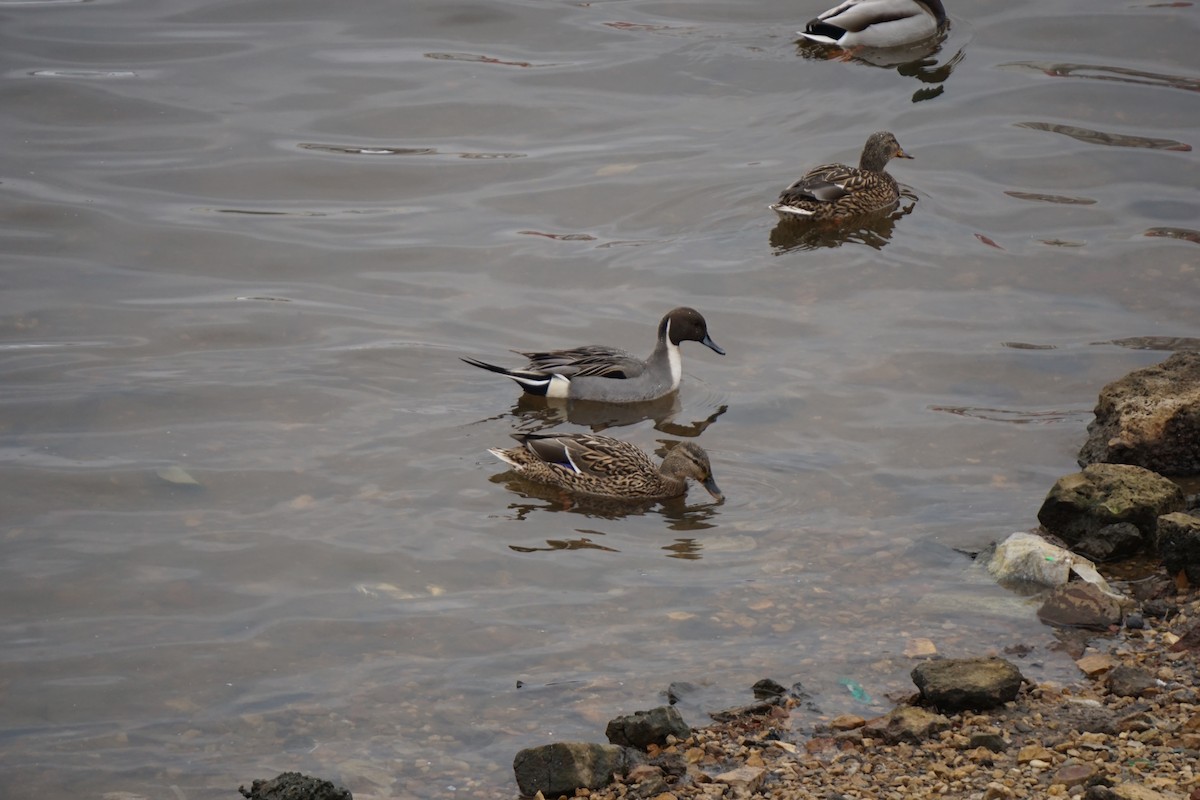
column 249, row 521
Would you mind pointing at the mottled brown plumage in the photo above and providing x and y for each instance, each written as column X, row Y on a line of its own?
column 600, row 466
column 837, row 191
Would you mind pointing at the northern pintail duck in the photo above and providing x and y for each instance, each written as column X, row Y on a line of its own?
column 836, row 191
column 610, row 375
column 600, row 466
column 876, row 23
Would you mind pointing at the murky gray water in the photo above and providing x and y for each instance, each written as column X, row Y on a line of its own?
column 245, row 243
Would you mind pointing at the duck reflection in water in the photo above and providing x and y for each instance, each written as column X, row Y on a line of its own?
column 873, row 230
column 680, row 514
column 921, row 63
column 686, row 549
column 541, row 413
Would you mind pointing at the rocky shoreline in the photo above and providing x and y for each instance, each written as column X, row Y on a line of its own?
column 1128, row 728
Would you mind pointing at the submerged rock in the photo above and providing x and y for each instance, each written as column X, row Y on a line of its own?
column 768, row 688
column 967, row 684
column 1081, row 605
column 1102, row 495
column 1150, row 418
column 294, row 786
column 562, row 767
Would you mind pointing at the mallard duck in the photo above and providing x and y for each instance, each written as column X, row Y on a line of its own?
column 607, row 374
column 836, row 191
column 877, row 23
column 600, row 466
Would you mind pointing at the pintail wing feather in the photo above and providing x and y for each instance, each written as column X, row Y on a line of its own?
column 591, row 361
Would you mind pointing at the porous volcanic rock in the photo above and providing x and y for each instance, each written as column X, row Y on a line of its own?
column 294, row 786
column 1150, row 418
column 1102, row 495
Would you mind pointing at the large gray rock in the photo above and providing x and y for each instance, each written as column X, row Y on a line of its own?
column 562, row 767
column 1102, row 495
column 1150, row 418
column 643, row 728
column 962, row 684
column 1179, row 545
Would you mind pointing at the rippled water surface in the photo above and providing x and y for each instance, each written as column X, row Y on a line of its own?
column 249, row 522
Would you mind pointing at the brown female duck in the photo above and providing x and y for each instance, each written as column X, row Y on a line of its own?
column 600, row 466
column 837, row 191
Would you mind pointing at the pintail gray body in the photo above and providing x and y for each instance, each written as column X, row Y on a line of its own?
column 608, row 374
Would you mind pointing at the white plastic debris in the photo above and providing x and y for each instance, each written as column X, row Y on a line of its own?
column 1031, row 559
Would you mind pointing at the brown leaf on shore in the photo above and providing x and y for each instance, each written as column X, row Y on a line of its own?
column 1181, row 581
column 1189, row 640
